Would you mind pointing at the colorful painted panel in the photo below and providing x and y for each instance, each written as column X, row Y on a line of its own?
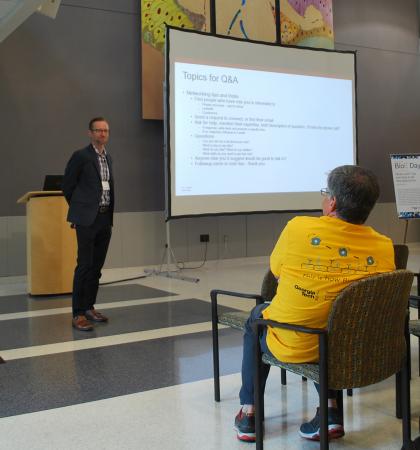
column 247, row 19
column 192, row 14
column 307, row 23
column 303, row 22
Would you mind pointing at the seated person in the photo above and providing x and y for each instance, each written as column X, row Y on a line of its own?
column 314, row 259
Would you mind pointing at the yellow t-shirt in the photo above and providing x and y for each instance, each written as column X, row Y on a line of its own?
column 314, row 259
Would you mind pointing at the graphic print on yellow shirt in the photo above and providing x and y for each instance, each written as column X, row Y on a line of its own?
column 315, row 258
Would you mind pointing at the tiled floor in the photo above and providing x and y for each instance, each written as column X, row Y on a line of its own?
column 144, row 381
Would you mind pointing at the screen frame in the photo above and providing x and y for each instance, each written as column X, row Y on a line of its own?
column 167, row 131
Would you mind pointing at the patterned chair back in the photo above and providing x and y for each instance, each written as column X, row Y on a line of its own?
column 366, row 330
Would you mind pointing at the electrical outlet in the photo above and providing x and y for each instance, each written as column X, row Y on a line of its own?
column 204, row 238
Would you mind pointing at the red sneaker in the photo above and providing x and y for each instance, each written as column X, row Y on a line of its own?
column 245, row 426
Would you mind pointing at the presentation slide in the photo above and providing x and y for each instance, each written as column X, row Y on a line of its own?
column 254, row 127
column 232, row 125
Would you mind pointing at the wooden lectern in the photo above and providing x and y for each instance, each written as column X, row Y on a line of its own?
column 50, row 243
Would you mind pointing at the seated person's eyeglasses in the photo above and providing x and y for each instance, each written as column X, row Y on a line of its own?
column 325, row 192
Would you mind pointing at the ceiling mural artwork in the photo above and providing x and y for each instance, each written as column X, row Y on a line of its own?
column 155, row 14
column 307, row 23
column 302, row 22
column 247, row 19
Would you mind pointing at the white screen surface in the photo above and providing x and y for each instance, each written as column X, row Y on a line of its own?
column 254, row 127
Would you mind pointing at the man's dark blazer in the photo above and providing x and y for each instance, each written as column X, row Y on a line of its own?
column 82, row 186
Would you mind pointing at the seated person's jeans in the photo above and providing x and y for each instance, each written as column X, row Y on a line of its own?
column 246, row 394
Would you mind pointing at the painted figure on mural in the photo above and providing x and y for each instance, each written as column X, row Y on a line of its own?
column 250, row 19
column 303, row 22
column 156, row 14
column 307, row 23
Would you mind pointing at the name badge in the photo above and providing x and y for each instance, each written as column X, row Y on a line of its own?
column 105, row 185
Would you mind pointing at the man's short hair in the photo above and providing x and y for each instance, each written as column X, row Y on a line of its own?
column 355, row 190
column 96, row 119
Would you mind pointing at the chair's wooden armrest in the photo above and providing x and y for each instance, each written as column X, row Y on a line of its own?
column 288, row 326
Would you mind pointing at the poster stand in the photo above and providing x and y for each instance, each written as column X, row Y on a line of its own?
column 406, row 177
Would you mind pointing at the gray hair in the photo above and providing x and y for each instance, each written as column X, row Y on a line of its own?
column 355, row 190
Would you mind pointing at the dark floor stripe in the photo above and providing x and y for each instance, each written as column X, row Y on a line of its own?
column 53, row 381
column 43, row 330
column 106, row 294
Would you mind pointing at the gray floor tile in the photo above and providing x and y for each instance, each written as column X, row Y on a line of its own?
column 18, row 333
column 106, row 294
column 53, row 381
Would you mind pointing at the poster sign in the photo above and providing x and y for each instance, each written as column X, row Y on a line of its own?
column 406, row 175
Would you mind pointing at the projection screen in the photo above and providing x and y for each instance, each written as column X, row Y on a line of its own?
column 253, row 127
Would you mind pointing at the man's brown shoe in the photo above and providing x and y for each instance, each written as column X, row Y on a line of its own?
column 81, row 323
column 95, row 316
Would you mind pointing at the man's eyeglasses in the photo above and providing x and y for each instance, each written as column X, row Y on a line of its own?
column 100, row 130
column 325, row 192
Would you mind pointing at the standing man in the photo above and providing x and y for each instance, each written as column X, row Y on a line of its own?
column 88, row 186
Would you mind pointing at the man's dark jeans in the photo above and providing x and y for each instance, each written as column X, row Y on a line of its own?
column 92, row 246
